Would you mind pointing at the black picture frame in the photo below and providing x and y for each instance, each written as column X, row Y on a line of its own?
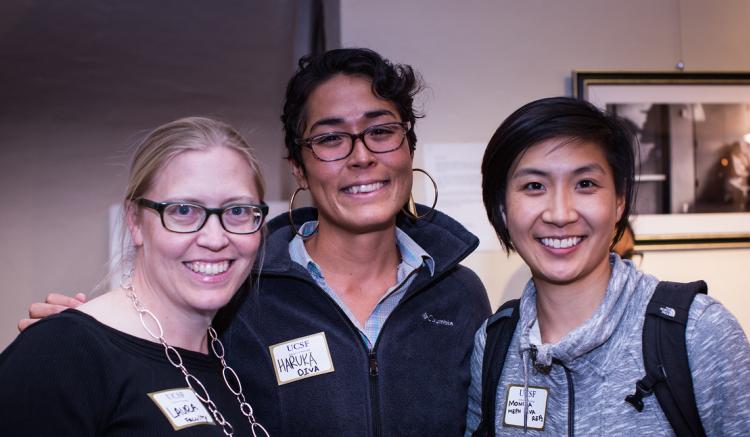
column 693, row 130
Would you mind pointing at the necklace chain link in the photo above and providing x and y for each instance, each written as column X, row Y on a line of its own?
column 175, row 359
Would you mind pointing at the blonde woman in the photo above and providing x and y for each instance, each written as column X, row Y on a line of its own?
column 143, row 359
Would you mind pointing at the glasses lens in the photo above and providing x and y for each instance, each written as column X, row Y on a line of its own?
column 183, row 217
column 384, row 137
column 242, row 219
column 331, row 146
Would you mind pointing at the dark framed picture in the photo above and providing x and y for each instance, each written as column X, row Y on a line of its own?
column 693, row 133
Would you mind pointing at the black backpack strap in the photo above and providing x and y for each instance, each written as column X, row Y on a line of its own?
column 665, row 357
column 500, row 329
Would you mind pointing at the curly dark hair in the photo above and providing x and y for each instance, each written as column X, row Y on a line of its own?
column 556, row 117
column 398, row 83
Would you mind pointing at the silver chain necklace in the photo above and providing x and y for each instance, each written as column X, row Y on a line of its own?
column 175, row 359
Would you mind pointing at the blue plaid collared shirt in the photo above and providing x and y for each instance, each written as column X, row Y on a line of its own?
column 413, row 257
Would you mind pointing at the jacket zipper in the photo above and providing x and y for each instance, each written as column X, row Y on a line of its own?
column 571, row 402
column 374, row 393
column 372, row 366
column 373, row 370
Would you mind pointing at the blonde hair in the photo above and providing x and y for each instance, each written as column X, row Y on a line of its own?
column 176, row 137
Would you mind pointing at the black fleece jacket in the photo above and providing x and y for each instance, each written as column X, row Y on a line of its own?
column 414, row 381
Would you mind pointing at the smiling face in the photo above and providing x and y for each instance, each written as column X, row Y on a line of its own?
column 561, row 209
column 196, row 272
column 364, row 191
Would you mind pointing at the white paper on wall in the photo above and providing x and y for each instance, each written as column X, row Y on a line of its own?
column 456, row 168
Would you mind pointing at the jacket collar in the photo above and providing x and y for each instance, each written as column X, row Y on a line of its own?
column 588, row 346
column 447, row 241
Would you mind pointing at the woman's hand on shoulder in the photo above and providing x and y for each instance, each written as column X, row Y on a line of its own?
column 53, row 304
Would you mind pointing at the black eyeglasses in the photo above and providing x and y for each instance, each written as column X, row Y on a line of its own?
column 334, row 146
column 184, row 218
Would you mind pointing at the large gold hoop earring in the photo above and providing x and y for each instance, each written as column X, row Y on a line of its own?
column 291, row 220
column 411, row 206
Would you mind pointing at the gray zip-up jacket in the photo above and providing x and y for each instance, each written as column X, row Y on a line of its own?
column 597, row 364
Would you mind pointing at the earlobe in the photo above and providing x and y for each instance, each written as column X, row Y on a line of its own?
column 133, row 223
column 620, row 206
column 299, row 175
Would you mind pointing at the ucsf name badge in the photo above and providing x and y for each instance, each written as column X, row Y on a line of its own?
column 301, row 358
column 181, row 408
column 536, row 410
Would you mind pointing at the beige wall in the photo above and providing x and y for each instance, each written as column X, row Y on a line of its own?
column 483, row 59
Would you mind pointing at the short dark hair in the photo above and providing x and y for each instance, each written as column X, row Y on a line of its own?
column 398, row 83
column 556, row 117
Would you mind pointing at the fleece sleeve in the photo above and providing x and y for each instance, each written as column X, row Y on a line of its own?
column 719, row 358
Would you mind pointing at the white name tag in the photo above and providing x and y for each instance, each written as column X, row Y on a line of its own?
column 514, row 407
column 301, row 358
column 182, row 408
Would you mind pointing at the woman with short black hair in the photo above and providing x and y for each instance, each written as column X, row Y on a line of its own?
column 558, row 182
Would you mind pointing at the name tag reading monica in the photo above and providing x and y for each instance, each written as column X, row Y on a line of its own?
column 301, row 358
column 535, row 400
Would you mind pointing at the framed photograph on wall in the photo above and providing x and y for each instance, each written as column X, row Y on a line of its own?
column 693, row 132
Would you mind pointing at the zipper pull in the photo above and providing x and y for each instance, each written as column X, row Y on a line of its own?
column 373, row 364
column 540, row 368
